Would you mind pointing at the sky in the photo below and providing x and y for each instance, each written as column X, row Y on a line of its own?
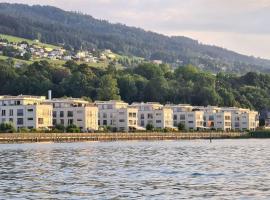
column 239, row 25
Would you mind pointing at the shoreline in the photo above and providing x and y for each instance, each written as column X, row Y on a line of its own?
column 15, row 138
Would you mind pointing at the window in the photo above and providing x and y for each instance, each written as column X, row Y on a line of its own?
column 40, row 121
column 227, row 117
column 10, row 119
column 54, row 114
column 61, row 113
column 79, row 120
column 54, row 122
column 3, row 112
column 142, row 116
column 142, row 123
column 10, row 112
column 130, row 114
column 190, row 115
column 30, row 119
column 104, row 122
column 20, row 112
column 70, row 121
column 158, row 121
column 19, row 121
column 70, row 114
column 182, row 117
column 134, row 114
column 62, row 121
column 190, row 122
column 227, row 124
column 104, row 115
column 30, row 110
column 174, row 117
column 150, row 116
column 211, row 117
column 18, row 103
column 121, row 120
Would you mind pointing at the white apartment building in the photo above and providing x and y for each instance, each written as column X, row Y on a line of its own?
column 118, row 115
column 243, row 119
column 186, row 115
column 72, row 111
column 26, row 112
column 154, row 113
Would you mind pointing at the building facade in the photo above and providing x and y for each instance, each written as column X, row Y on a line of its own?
column 185, row 115
column 23, row 111
column 243, row 119
column 155, row 114
column 118, row 115
column 71, row 111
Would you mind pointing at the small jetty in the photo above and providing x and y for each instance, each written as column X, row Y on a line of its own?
column 84, row 137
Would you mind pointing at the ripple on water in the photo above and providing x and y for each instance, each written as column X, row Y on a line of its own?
column 225, row 169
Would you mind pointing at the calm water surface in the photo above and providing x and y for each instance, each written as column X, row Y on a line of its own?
column 225, row 169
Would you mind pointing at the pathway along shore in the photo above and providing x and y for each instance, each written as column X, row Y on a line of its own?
column 84, row 137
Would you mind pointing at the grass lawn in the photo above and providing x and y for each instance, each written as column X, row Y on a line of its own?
column 18, row 39
column 16, row 60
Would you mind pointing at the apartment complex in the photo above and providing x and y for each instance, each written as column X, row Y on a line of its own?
column 184, row 114
column 118, row 115
column 155, row 114
column 72, row 111
column 26, row 112
column 229, row 118
column 243, row 119
column 35, row 112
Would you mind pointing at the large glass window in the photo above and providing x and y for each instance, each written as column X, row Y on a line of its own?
column 20, row 112
column 40, row 121
column 19, row 121
column 70, row 114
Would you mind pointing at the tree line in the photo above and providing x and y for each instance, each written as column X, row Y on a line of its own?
column 146, row 82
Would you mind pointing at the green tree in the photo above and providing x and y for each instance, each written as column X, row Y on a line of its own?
column 7, row 128
column 181, row 127
column 149, row 127
column 108, row 88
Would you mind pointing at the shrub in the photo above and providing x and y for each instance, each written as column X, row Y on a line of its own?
column 181, row 127
column 73, row 129
column 149, row 127
column 7, row 128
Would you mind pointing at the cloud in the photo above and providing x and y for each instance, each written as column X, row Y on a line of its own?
column 235, row 24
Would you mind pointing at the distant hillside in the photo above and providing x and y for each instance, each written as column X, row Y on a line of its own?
column 55, row 26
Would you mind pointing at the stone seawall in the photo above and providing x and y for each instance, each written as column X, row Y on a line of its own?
column 83, row 137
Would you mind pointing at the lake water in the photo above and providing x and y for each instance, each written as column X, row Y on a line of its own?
column 223, row 169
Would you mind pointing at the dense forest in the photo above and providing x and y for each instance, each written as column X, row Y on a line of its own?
column 146, row 82
column 76, row 30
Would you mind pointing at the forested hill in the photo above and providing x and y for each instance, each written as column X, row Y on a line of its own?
column 55, row 26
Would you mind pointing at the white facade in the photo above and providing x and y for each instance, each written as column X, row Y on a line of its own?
column 243, row 119
column 155, row 114
column 77, row 112
column 26, row 112
column 184, row 114
column 117, row 115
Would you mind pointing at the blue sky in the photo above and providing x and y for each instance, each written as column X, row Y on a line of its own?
column 239, row 25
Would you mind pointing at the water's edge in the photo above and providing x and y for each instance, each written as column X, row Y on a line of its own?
column 85, row 137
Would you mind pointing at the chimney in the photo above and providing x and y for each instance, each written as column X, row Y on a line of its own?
column 50, row 95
